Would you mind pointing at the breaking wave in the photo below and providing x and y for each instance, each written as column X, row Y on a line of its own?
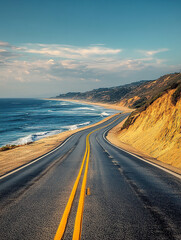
column 75, row 126
column 34, row 137
column 103, row 114
column 27, row 120
column 39, row 135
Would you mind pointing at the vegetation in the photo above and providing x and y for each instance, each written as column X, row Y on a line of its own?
column 106, row 95
column 176, row 95
column 8, row 147
column 152, row 93
column 140, row 102
column 130, row 120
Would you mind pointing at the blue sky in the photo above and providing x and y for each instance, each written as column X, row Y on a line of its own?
column 51, row 47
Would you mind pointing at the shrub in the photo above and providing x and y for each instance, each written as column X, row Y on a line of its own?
column 131, row 119
column 140, row 102
column 8, row 147
column 176, row 95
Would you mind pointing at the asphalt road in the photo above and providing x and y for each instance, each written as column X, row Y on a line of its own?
column 129, row 198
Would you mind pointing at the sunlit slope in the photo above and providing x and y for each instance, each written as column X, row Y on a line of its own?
column 148, row 91
column 157, row 130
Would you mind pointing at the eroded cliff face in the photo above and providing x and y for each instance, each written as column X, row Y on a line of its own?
column 157, row 131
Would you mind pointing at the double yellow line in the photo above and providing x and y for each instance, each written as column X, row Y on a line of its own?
column 79, row 215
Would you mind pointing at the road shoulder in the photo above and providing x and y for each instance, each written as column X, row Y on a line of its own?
column 112, row 137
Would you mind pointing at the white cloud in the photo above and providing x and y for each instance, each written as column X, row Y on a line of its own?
column 4, row 44
column 70, row 64
column 152, row 52
column 70, row 52
column 2, row 50
column 74, row 66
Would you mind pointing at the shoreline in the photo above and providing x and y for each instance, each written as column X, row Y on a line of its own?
column 23, row 154
column 105, row 105
column 19, row 156
column 13, row 145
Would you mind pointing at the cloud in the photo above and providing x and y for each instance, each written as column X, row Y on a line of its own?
column 68, row 51
column 4, row 44
column 7, row 51
column 73, row 66
column 152, row 52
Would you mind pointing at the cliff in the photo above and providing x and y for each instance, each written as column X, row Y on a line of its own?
column 147, row 92
column 157, row 129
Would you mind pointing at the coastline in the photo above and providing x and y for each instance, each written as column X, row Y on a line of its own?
column 23, row 154
column 105, row 105
column 16, row 157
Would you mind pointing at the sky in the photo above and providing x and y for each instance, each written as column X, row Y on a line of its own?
column 57, row 46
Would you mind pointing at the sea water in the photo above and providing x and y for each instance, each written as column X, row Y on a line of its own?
column 26, row 120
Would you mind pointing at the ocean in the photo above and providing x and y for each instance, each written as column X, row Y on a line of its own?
column 26, row 120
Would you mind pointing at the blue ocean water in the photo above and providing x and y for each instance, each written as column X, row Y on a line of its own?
column 27, row 120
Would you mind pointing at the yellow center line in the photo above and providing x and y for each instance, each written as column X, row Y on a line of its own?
column 80, row 209
column 79, row 216
column 63, row 222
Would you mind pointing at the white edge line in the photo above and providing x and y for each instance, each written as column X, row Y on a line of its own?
column 134, row 155
column 36, row 160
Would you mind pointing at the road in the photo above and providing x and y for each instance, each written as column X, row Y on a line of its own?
column 129, row 198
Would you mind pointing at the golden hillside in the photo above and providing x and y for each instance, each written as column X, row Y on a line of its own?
column 148, row 91
column 157, row 130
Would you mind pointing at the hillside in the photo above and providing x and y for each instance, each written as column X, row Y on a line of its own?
column 104, row 95
column 157, row 130
column 133, row 95
column 155, row 127
column 149, row 91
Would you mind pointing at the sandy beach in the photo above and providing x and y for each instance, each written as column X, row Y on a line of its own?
column 115, row 106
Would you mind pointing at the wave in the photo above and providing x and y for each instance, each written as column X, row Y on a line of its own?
column 75, row 126
column 32, row 127
column 64, row 104
column 34, row 137
column 103, row 114
column 39, row 135
column 85, row 108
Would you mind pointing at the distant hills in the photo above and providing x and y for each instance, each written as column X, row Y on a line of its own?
column 133, row 95
column 104, row 95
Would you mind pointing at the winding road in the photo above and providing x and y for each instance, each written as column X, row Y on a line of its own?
column 89, row 189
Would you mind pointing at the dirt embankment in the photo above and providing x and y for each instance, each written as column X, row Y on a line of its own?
column 157, row 131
